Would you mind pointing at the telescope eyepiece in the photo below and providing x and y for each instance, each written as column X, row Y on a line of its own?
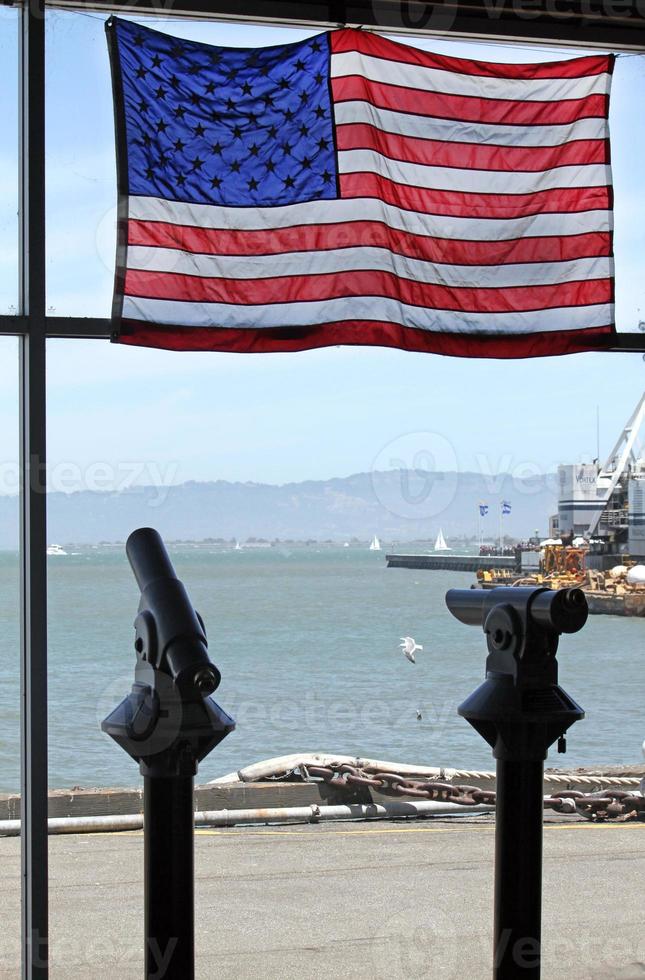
column 563, row 611
column 206, row 680
column 575, row 597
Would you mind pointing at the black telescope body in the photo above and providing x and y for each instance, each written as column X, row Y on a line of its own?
column 167, row 625
column 168, row 724
column 564, row 611
column 520, row 710
column 523, row 628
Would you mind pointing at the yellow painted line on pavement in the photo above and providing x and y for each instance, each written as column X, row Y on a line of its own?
column 402, row 830
column 337, row 833
column 289, row 834
column 631, row 825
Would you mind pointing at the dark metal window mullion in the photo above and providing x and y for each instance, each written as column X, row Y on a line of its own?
column 33, row 503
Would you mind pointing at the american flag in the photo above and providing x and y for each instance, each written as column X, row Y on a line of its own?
column 348, row 189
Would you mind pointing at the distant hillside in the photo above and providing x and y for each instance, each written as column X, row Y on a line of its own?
column 398, row 505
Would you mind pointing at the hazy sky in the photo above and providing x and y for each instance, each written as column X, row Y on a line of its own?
column 121, row 414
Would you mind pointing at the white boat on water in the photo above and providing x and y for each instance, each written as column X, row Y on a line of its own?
column 55, row 549
column 440, row 544
column 375, row 544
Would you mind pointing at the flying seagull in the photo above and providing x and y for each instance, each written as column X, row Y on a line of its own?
column 409, row 645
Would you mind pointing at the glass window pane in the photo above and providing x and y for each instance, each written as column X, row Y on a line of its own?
column 9, row 636
column 81, row 166
column 9, row 651
column 210, row 449
column 628, row 148
column 81, row 174
column 9, row 161
column 304, row 621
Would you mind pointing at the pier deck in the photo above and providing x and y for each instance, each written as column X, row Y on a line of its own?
column 384, row 901
column 452, row 563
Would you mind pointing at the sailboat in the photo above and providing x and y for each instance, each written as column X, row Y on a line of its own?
column 440, row 543
column 375, row 544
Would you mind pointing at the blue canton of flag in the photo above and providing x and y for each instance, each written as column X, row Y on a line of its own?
column 234, row 127
column 506, row 507
column 483, row 510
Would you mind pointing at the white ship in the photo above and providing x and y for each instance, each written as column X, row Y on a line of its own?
column 55, row 549
column 440, row 543
column 606, row 503
column 375, row 544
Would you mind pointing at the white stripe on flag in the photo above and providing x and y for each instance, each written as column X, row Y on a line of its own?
column 472, row 86
column 456, row 131
column 171, row 260
column 473, row 181
column 234, row 316
column 368, row 209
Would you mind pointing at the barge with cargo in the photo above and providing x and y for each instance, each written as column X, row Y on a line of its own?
column 596, row 539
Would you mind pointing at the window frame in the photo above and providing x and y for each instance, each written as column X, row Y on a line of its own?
column 583, row 23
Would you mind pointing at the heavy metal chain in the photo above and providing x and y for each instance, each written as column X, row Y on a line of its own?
column 607, row 804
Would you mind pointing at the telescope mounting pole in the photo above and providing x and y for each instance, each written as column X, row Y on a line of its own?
column 169, row 877
column 518, row 869
column 168, row 724
column 520, row 710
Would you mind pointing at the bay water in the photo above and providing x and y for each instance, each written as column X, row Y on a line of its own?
column 307, row 641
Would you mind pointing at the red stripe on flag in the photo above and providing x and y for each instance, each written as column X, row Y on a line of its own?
column 462, row 204
column 439, row 105
column 364, row 333
column 380, row 47
column 470, row 156
column 356, row 234
column 317, row 288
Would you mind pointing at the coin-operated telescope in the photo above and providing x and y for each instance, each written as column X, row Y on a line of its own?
column 168, row 723
column 520, row 710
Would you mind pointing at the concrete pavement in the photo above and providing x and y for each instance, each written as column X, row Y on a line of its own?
column 384, row 901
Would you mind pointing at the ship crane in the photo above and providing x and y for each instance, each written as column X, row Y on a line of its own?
column 622, row 455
